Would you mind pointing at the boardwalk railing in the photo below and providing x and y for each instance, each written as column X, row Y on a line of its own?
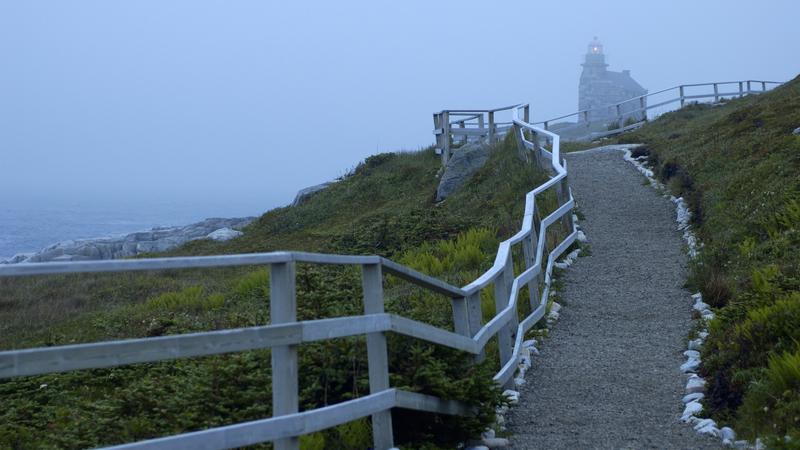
column 633, row 112
column 459, row 126
column 285, row 333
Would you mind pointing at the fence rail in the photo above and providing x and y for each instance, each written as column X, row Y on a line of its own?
column 635, row 110
column 285, row 333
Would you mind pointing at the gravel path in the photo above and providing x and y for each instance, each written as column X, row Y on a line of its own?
column 608, row 375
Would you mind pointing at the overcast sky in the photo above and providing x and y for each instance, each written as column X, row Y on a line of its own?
column 244, row 102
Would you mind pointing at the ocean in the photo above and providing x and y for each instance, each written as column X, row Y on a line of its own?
column 29, row 228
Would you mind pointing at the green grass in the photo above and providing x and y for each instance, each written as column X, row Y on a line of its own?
column 385, row 207
column 738, row 166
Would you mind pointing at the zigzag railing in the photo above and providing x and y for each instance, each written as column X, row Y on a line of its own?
column 285, row 333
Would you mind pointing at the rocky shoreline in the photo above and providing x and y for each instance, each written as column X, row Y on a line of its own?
column 158, row 239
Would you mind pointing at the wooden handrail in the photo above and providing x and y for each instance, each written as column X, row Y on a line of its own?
column 286, row 333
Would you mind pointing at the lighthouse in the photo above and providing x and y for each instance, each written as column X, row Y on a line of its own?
column 600, row 87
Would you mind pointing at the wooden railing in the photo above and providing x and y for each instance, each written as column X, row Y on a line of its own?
column 462, row 125
column 285, row 333
column 633, row 112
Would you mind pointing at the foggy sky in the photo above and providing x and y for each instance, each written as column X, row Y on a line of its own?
column 244, row 102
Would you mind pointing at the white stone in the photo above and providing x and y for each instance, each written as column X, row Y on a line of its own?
column 488, row 434
column 796, row 131
column 519, row 381
column 529, row 343
column 223, row 234
column 695, row 384
column 695, row 344
column 694, row 396
column 555, row 307
column 512, row 396
column 727, row 434
column 700, row 306
column 478, row 447
column 742, row 445
column 697, row 295
column 581, row 237
column 691, row 409
column 703, row 335
column 690, row 366
column 692, row 354
column 704, row 423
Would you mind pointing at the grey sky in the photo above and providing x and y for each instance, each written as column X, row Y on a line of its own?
column 247, row 101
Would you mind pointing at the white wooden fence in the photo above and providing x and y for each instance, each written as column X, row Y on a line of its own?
column 285, row 333
column 579, row 126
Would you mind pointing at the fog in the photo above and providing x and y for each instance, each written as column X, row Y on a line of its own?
column 240, row 104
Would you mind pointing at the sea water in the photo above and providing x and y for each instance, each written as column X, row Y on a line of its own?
column 30, row 227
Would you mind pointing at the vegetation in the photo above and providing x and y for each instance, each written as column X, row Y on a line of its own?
column 385, row 207
column 737, row 165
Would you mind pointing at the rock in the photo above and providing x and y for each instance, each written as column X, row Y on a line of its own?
column 690, row 366
column 223, row 234
column 699, row 305
column 691, row 409
column 304, row 194
column 488, row 434
column 153, row 241
column 727, row 435
column 512, row 396
column 478, row 447
column 695, row 344
column 460, row 168
column 694, row 396
column 692, row 354
column 695, row 384
column 519, row 381
column 704, row 423
column 496, row 442
column 796, row 131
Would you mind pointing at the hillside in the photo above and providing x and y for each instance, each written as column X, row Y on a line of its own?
column 385, row 207
column 738, row 165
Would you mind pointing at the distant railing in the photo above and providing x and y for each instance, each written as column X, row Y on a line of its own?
column 285, row 333
column 638, row 107
column 462, row 125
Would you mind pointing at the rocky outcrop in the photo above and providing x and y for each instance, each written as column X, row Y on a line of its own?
column 460, row 168
column 156, row 240
column 304, row 194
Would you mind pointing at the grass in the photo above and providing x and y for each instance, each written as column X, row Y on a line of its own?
column 737, row 165
column 384, row 207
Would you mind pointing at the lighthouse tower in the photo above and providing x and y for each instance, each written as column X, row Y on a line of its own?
column 600, row 87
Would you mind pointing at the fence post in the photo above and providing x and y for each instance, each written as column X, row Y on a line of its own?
column 683, row 100
column 463, row 125
column 619, row 115
column 446, row 136
column 475, row 317
column 741, row 89
column 437, row 127
column 764, row 86
column 526, row 113
column 283, row 309
column 491, row 127
column 586, row 118
column 749, row 88
column 643, row 107
column 529, row 250
column 377, row 357
column 546, row 126
column 501, row 295
column 716, row 93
